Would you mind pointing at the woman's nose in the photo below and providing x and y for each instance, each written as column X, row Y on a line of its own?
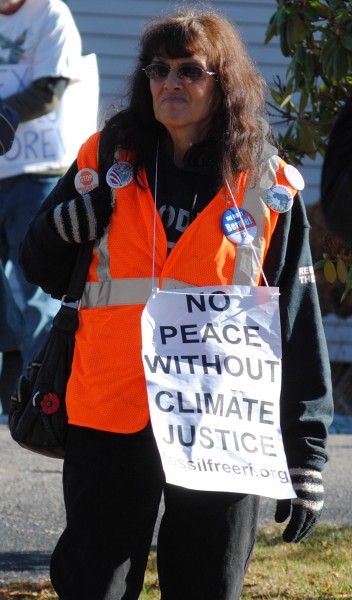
column 172, row 78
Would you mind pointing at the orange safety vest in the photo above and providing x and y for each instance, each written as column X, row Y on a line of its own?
column 107, row 388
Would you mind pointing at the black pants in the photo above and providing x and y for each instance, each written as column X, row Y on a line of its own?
column 112, row 489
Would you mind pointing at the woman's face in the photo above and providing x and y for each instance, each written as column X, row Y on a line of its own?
column 9, row 5
column 184, row 107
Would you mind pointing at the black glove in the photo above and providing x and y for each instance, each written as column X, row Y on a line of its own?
column 9, row 119
column 305, row 510
column 83, row 218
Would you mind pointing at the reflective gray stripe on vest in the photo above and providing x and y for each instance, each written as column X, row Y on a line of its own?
column 124, row 292
column 247, row 268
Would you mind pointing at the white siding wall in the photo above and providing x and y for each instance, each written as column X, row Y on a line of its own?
column 110, row 28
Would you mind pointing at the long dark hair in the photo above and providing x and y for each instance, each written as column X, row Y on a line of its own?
column 236, row 135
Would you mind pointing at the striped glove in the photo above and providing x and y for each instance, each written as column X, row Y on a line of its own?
column 83, row 218
column 305, row 510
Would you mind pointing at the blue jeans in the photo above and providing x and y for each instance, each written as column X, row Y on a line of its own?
column 20, row 198
column 11, row 319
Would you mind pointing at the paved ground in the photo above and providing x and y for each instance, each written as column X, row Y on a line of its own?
column 32, row 515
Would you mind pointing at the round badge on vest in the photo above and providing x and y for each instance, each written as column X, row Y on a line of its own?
column 238, row 225
column 279, row 198
column 86, row 180
column 294, row 177
column 119, row 175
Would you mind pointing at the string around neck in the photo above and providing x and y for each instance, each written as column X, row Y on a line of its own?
column 245, row 228
column 154, row 288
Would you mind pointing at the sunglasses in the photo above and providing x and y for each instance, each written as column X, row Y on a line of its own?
column 188, row 73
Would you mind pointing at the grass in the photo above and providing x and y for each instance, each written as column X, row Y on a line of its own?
column 318, row 568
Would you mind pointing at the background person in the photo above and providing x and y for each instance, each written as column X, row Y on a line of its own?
column 8, row 125
column 11, row 320
column 336, row 181
column 39, row 51
column 175, row 159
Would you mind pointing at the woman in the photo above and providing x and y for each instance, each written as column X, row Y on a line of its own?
column 192, row 136
column 336, row 180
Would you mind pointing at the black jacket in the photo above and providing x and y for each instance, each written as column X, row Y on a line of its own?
column 8, row 124
column 306, row 397
column 336, row 181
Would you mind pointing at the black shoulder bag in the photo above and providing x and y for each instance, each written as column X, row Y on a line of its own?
column 37, row 416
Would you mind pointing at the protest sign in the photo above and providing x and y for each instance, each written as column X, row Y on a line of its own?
column 53, row 140
column 212, row 361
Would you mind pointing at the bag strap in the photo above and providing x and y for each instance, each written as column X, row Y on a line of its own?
column 79, row 274
column 84, row 255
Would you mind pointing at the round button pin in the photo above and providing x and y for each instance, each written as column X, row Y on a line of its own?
column 279, row 199
column 294, row 177
column 238, row 225
column 86, row 180
column 119, row 175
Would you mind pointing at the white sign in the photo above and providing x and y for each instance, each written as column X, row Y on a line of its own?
column 212, row 361
column 51, row 141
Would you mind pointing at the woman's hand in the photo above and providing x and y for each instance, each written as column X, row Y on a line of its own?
column 84, row 218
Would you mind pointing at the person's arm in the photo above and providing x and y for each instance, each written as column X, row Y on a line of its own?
column 306, row 396
column 39, row 98
column 8, row 124
column 306, row 405
column 336, row 181
column 66, row 220
column 55, row 62
column 47, row 260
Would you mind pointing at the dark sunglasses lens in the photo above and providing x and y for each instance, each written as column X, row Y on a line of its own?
column 156, row 71
column 190, row 72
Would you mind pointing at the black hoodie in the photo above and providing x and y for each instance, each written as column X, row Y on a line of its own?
column 306, row 395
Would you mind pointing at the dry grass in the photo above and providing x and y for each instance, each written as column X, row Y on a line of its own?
column 318, row 568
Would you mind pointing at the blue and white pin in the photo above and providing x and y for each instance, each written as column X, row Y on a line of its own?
column 238, row 225
column 279, row 198
column 119, row 175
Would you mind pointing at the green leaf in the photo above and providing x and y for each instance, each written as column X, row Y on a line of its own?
column 330, row 271
column 276, row 96
column 309, row 66
column 284, row 46
column 271, row 29
column 303, row 101
column 346, row 41
column 334, row 4
column 321, row 9
column 327, row 51
column 345, row 294
column 296, row 31
column 286, row 101
column 300, row 55
column 341, row 270
column 310, row 13
column 340, row 64
column 316, row 35
column 319, row 264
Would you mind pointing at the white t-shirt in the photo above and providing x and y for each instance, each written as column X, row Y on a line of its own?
column 39, row 40
column 43, row 35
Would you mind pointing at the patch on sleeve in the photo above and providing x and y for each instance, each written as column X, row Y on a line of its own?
column 306, row 274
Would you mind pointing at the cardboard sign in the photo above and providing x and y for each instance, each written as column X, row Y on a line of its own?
column 52, row 141
column 212, row 361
